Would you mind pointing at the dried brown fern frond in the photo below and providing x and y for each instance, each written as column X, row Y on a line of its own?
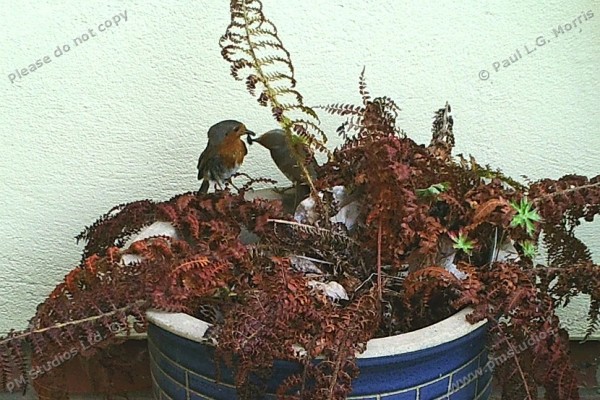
column 567, row 281
column 85, row 312
column 527, row 346
column 431, row 292
column 569, row 199
column 338, row 255
column 442, row 135
column 116, row 226
column 283, row 314
column 112, row 288
column 13, row 362
column 372, row 119
column 563, row 247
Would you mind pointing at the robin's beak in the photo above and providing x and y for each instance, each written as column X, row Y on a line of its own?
column 249, row 135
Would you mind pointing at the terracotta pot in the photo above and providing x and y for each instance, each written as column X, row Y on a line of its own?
column 446, row 360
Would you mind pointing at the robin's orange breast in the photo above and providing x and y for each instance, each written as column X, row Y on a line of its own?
column 232, row 151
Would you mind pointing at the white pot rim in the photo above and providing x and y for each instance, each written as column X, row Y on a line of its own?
column 445, row 331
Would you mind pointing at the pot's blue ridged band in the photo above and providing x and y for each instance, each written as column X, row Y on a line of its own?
column 184, row 369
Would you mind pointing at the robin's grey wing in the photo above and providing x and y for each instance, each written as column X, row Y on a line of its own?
column 203, row 161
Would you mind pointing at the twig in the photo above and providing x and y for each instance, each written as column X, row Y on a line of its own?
column 559, row 192
column 379, row 278
column 76, row 322
column 514, row 353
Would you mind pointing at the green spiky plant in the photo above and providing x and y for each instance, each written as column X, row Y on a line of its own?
column 416, row 204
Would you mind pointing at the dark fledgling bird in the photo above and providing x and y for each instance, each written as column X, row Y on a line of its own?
column 223, row 154
column 281, row 153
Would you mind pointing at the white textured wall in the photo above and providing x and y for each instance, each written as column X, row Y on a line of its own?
column 123, row 115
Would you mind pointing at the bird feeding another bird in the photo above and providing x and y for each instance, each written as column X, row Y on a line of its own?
column 224, row 153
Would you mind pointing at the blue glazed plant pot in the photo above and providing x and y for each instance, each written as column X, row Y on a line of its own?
column 447, row 360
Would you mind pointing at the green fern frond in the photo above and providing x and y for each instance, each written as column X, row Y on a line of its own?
column 275, row 76
column 281, row 90
column 251, row 41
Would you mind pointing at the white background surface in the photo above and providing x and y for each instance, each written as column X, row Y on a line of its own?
column 123, row 116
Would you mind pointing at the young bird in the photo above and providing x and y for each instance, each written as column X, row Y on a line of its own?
column 223, row 154
column 281, row 153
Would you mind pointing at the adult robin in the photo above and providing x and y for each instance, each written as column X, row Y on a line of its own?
column 223, row 154
column 281, row 152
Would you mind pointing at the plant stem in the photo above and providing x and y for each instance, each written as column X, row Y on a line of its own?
column 379, row 278
column 515, row 353
column 559, row 192
column 76, row 322
column 275, row 104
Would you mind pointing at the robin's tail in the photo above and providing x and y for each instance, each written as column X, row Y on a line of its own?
column 204, row 186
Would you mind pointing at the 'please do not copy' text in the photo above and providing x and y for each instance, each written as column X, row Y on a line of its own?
column 104, row 26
